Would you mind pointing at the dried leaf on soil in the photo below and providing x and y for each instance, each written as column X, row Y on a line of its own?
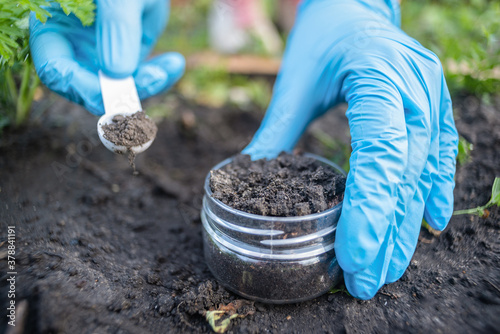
column 220, row 319
column 432, row 231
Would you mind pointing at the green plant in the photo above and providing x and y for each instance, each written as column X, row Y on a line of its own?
column 339, row 288
column 465, row 35
column 464, row 151
column 482, row 210
column 187, row 28
column 18, row 80
column 215, row 87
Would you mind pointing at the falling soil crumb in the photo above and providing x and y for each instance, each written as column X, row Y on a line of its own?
column 131, row 160
column 129, row 131
column 290, row 185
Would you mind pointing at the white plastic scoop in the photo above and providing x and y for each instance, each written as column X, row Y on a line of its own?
column 120, row 98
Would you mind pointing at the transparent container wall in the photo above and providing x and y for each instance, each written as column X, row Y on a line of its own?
column 270, row 259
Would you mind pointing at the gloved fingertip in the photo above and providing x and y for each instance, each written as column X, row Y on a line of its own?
column 360, row 287
column 394, row 275
column 269, row 141
column 439, row 207
column 256, row 152
column 353, row 257
column 150, row 80
column 439, row 204
column 118, row 70
column 95, row 108
column 159, row 74
column 174, row 63
column 438, row 220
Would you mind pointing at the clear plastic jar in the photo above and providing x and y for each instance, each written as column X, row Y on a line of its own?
column 271, row 259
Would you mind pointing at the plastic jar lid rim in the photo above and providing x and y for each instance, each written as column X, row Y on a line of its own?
column 253, row 216
column 298, row 254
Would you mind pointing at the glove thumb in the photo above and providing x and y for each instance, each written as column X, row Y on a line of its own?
column 159, row 74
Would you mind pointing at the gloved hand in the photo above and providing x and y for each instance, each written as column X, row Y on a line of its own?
column 403, row 136
column 68, row 56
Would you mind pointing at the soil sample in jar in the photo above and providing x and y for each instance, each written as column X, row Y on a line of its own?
column 129, row 131
column 290, row 185
column 283, row 251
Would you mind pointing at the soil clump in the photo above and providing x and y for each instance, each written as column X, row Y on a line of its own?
column 290, row 185
column 129, row 131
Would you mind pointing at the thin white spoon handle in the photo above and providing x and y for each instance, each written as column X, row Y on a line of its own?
column 119, row 95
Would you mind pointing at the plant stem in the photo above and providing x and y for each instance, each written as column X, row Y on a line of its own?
column 26, row 92
column 11, row 84
column 10, row 97
column 35, row 81
column 474, row 211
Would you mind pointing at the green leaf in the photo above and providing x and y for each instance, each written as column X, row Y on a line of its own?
column 464, row 151
column 23, row 23
column 439, row 24
column 13, row 32
column 84, row 10
column 36, row 7
column 18, row 80
column 334, row 290
column 495, row 192
column 14, row 22
column 339, row 288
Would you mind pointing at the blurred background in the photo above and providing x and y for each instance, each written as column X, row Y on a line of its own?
column 464, row 34
column 239, row 69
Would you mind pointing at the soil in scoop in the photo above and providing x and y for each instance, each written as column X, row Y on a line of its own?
column 129, row 131
column 290, row 185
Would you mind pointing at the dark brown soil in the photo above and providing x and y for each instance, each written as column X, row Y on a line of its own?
column 99, row 251
column 277, row 282
column 290, row 185
column 129, row 131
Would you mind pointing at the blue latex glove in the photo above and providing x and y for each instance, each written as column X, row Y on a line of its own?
column 403, row 136
column 67, row 56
